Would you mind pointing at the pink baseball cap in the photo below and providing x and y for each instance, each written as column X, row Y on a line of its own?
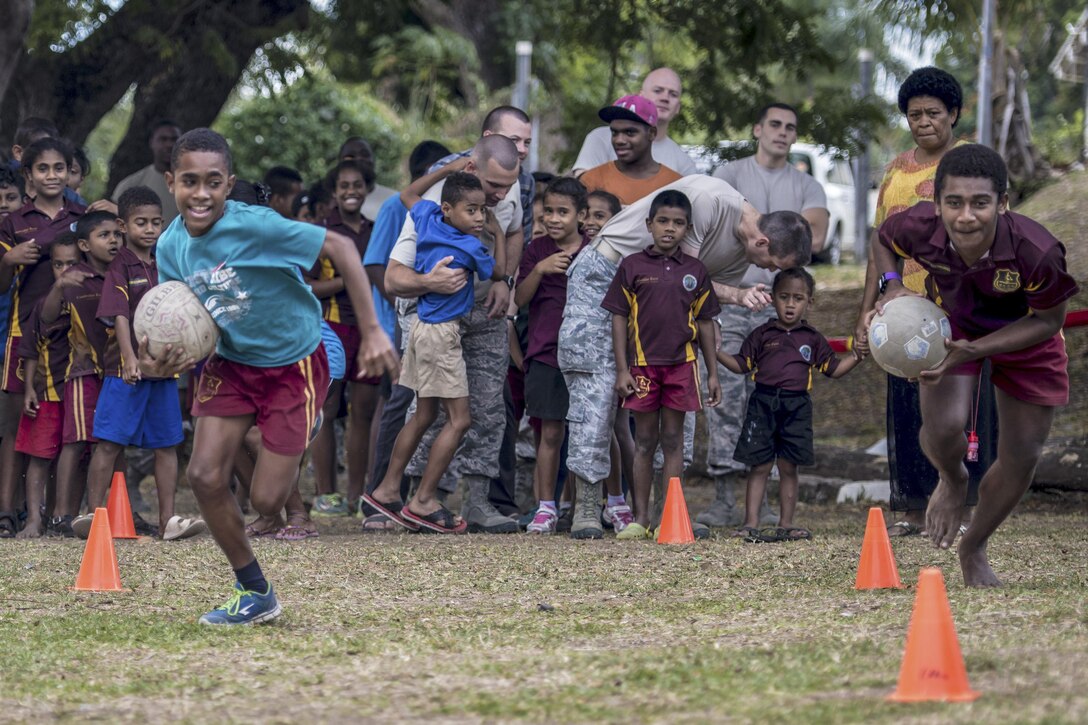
column 630, row 108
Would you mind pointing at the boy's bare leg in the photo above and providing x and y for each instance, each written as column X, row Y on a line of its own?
column 405, row 446
column 1024, row 429
column 10, row 464
column 323, row 447
column 548, row 448
column 647, row 434
column 613, row 482
column 215, row 442
column 103, row 463
column 625, row 442
column 945, row 407
column 37, row 472
column 753, row 496
column 672, row 443
column 445, row 445
column 787, row 492
column 69, row 490
column 364, row 400
column 166, row 483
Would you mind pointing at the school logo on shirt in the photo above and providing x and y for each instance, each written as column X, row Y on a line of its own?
column 1006, row 280
column 690, row 282
column 806, row 353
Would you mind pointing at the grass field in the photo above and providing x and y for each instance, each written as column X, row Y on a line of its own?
column 402, row 627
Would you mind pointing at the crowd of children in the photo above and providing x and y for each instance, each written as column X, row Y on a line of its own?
column 305, row 341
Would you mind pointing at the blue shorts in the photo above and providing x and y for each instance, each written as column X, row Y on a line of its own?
column 145, row 415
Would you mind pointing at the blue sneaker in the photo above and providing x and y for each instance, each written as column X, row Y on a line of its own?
column 245, row 607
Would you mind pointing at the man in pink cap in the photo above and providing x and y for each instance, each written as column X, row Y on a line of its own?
column 632, row 121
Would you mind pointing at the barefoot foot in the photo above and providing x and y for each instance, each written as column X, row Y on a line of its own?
column 976, row 567
column 32, row 530
column 945, row 511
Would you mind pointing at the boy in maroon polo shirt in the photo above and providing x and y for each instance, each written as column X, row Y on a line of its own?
column 1002, row 280
column 44, row 349
column 25, row 238
column 664, row 299
column 348, row 182
column 781, row 354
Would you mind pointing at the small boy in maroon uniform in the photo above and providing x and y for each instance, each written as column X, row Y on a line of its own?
column 781, row 355
column 44, row 349
column 25, row 238
column 1001, row 278
column 661, row 301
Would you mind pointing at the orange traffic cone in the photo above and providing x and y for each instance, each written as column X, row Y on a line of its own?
column 877, row 569
column 675, row 523
column 932, row 663
column 98, row 571
column 120, row 511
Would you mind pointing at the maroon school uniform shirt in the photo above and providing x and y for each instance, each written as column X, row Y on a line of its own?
column 786, row 358
column 1024, row 269
column 88, row 332
column 662, row 296
column 32, row 282
column 546, row 306
column 338, row 307
column 48, row 345
column 127, row 281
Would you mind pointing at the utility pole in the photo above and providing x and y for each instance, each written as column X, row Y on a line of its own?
column 985, row 75
column 861, row 170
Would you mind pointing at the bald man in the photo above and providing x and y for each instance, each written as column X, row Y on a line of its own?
column 662, row 86
column 495, row 161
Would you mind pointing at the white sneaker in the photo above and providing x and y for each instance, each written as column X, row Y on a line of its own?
column 179, row 528
column 619, row 516
column 82, row 525
column 544, row 522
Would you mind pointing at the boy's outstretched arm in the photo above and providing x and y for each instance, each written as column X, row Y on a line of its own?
column 729, row 362
column 710, row 350
column 625, row 383
column 846, row 364
column 415, row 191
column 376, row 354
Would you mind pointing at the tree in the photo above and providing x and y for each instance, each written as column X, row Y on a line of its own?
column 82, row 57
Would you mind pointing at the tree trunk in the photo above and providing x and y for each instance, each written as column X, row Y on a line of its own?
column 183, row 57
column 475, row 20
column 16, row 20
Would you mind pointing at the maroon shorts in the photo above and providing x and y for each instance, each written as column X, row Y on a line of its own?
column 1038, row 374
column 13, row 366
column 664, row 386
column 40, row 436
column 351, row 339
column 80, row 398
column 285, row 400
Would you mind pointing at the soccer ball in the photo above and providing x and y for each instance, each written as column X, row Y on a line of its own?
column 170, row 314
column 909, row 337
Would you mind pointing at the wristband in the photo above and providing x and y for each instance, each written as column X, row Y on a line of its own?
column 509, row 281
column 886, row 278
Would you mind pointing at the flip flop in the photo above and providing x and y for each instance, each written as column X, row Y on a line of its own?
column 391, row 511
column 748, row 533
column 438, row 522
column 8, row 525
column 179, row 528
column 378, row 524
column 254, row 533
column 293, row 532
column 792, row 533
column 905, row 528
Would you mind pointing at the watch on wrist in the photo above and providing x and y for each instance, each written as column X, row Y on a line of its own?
column 886, row 278
column 509, row 280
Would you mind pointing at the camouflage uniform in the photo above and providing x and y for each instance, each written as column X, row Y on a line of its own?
column 724, row 422
column 486, row 353
column 588, row 365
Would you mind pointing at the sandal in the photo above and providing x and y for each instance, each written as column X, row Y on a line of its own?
column 293, row 532
column 748, row 533
column 792, row 533
column 8, row 525
column 254, row 533
column 905, row 528
column 438, row 522
column 378, row 524
column 391, row 511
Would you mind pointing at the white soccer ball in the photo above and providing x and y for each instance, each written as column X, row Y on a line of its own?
column 170, row 314
column 909, row 337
